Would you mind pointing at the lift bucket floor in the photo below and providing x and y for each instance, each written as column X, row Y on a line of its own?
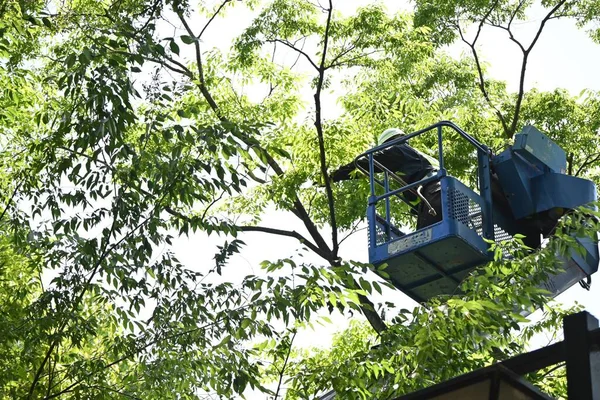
column 435, row 269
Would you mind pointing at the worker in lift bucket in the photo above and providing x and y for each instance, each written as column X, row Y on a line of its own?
column 411, row 166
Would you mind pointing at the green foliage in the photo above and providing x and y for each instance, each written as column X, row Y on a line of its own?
column 443, row 339
column 446, row 16
column 576, row 133
column 122, row 131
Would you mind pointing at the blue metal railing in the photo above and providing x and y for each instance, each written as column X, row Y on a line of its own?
column 484, row 176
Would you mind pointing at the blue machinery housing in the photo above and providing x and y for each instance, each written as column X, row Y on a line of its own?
column 434, row 260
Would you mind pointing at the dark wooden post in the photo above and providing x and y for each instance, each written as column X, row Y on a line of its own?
column 582, row 357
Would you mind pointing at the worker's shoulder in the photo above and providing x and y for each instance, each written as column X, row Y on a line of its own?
column 398, row 147
column 404, row 148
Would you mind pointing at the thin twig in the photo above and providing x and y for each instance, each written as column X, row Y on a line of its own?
column 557, row 366
column 297, row 50
column 213, row 17
column 285, row 362
column 298, row 56
column 10, row 199
column 586, row 164
column 212, row 203
column 353, row 59
column 353, row 230
column 340, row 55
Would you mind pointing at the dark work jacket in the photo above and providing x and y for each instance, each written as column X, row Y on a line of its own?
column 401, row 159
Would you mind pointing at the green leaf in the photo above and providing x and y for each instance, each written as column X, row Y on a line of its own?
column 187, row 39
column 70, row 60
column 174, row 47
column 377, row 287
column 332, row 299
column 365, row 285
column 87, row 54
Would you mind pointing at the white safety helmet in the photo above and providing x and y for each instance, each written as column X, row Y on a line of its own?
column 389, row 134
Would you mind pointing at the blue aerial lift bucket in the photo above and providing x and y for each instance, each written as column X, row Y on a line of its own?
column 434, row 260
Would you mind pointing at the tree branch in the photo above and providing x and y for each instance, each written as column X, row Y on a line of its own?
column 282, row 232
column 264, row 229
column 177, row 67
column 554, row 368
column 320, row 247
column 299, row 209
column 212, row 203
column 297, row 58
column 342, row 53
column 510, row 35
column 521, row 93
column 320, row 136
column 353, row 230
column 570, row 163
column 481, row 82
column 514, row 14
column 368, row 309
column 154, row 7
column 366, row 305
column 200, row 69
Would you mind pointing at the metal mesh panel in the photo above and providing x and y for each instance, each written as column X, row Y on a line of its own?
column 381, row 235
column 461, row 208
column 468, row 212
column 500, row 234
column 464, row 209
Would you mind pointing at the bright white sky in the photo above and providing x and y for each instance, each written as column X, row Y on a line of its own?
column 564, row 58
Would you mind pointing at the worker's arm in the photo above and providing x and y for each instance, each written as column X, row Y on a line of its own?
column 391, row 158
column 343, row 173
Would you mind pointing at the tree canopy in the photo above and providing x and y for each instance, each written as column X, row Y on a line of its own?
column 124, row 128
